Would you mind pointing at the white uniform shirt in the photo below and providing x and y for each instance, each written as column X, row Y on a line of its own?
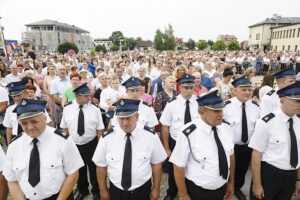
column 205, row 174
column 272, row 138
column 269, row 103
column 11, row 120
column 173, row 114
column 59, row 157
column 146, row 150
column 147, row 116
column 2, row 159
column 92, row 122
column 3, row 98
column 233, row 115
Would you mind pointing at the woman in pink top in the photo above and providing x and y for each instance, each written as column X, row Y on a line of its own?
column 198, row 89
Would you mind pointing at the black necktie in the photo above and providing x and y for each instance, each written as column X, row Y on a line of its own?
column 294, row 148
column 126, row 172
column 80, row 127
column 187, row 114
column 34, row 165
column 244, row 125
column 223, row 165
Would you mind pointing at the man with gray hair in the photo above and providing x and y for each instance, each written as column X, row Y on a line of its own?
column 13, row 76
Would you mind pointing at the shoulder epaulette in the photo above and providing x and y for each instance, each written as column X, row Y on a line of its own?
column 227, row 102
column 270, row 92
column 94, row 104
column 174, row 98
column 69, row 103
column 268, row 117
column 108, row 132
column 189, row 130
column 149, row 129
column 255, row 103
column 15, row 138
column 145, row 103
column 226, row 122
column 61, row 134
column 298, row 115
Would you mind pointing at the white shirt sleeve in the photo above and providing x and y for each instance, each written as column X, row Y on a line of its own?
column 99, row 117
column 265, row 105
column 7, row 168
column 181, row 151
column 166, row 117
column 152, row 118
column 72, row 160
column 260, row 137
column 158, row 154
column 2, row 159
column 99, row 157
column 3, row 95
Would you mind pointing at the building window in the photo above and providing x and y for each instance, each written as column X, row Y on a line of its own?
column 294, row 31
column 298, row 34
column 283, row 34
column 249, row 36
column 283, row 48
column 275, row 48
column 280, row 34
column 288, row 47
column 257, row 36
column 290, row 33
column 296, row 47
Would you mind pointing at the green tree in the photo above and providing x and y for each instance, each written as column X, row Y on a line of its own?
column 169, row 38
column 99, row 48
column 130, row 43
column 190, row 44
column 202, row 44
column 116, row 37
column 233, row 45
column 66, row 46
column 210, row 43
column 158, row 42
column 219, row 45
column 114, row 48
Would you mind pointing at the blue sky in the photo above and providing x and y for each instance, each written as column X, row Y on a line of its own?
column 196, row 19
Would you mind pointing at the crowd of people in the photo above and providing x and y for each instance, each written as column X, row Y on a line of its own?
column 166, row 104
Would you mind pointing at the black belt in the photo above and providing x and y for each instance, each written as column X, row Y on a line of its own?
column 53, row 197
column 281, row 171
column 131, row 191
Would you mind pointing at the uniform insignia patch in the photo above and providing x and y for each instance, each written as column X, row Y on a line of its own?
column 271, row 92
column 62, row 134
column 255, row 103
column 226, row 122
column 227, row 102
column 15, row 138
column 189, row 130
column 149, row 129
column 108, row 132
column 268, row 117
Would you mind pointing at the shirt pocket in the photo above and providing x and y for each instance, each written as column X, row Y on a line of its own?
column 112, row 159
column 201, row 158
column 278, row 143
column 52, row 170
column 19, row 168
column 178, row 122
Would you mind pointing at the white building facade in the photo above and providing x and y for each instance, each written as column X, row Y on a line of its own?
column 48, row 34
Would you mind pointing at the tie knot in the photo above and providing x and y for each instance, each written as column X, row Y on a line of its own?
column 243, row 104
column 35, row 141
column 80, row 106
column 291, row 120
column 128, row 135
column 214, row 128
column 187, row 101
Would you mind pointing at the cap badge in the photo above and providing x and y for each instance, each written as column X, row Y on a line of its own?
column 24, row 102
column 122, row 103
column 12, row 85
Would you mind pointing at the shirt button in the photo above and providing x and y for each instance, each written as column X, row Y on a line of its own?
column 34, row 193
column 52, row 165
column 277, row 141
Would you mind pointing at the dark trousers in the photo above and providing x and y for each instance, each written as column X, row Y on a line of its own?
column 140, row 193
column 277, row 184
column 54, row 197
column 172, row 190
column 297, row 68
column 198, row 193
column 242, row 160
column 87, row 151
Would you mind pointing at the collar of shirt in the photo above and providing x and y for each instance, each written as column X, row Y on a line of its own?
column 239, row 103
column 204, row 126
column 123, row 133
column 41, row 138
column 286, row 118
column 183, row 100
column 77, row 105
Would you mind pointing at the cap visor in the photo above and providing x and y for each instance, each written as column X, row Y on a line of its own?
column 15, row 93
column 85, row 93
column 187, row 84
column 125, row 114
column 134, row 87
column 219, row 106
column 29, row 114
column 294, row 97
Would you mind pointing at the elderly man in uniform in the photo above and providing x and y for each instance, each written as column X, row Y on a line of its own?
column 180, row 111
column 203, row 157
column 41, row 163
column 271, row 102
column 83, row 121
column 3, row 183
column 147, row 115
column 242, row 114
column 275, row 142
column 129, row 155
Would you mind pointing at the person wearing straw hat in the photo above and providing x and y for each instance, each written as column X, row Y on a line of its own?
column 41, row 163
